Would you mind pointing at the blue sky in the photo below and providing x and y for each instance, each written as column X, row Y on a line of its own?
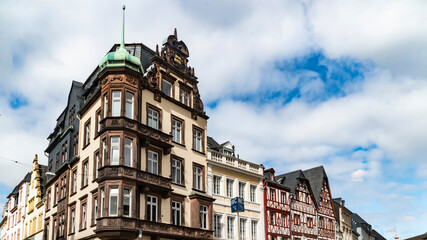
column 292, row 84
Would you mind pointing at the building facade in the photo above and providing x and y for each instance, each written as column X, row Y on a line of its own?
column 3, row 223
column 343, row 219
column 230, row 177
column 303, row 205
column 17, row 200
column 35, row 205
column 325, row 208
column 276, row 208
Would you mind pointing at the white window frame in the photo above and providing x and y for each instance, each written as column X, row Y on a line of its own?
column 176, row 171
column 197, row 140
column 116, row 103
column 104, row 151
column 242, row 188
column 105, row 105
column 184, row 97
column 176, row 131
column 229, row 192
column 230, row 227
column 198, row 175
column 101, row 213
column 84, row 215
column 96, row 164
column 153, row 118
column 152, row 163
column 164, row 90
column 204, row 221
column 217, row 225
column 129, row 196
column 115, row 148
column 252, row 193
column 242, row 228
column 128, row 150
column 113, row 192
column 254, row 230
column 176, row 213
column 86, row 173
column 129, row 105
column 216, row 184
column 73, row 221
column 152, row 207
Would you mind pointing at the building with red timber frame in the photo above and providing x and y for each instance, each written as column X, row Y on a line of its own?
column 276, row 208
column 303, row 205
column 322, row 193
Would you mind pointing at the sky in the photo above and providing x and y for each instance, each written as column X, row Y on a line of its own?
column 293, row 84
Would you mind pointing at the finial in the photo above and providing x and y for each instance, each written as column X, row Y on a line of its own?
column 122, row 44
column 175, row 33
column 35, row 158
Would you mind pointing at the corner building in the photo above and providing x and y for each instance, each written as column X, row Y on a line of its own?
column 142, row 146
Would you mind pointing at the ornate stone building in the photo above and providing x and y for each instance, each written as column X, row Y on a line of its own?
column 141, row 165
column 229, row 177
column 343, row 218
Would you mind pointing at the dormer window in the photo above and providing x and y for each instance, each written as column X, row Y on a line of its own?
column 167, row 87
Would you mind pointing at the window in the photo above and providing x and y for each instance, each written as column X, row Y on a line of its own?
column 252, row 193
column 76, row 144
column 197, row 177
column 230, row 227
column 116, row 107
column 176, row 130
column 128, row 152
column 104, row 151
column 87, row 134
column 283, row 197
column 176, row 171
column 310, row 222
column 126, row 201
column 105, row 105
column 102, row 202
column 176, row 213
column 153, row 118
column 64, row 153
column 129, row 105
column 153, row 162
column 113, row 200
column 152, row 208
column 95, row 210
column 184, row 97
column 197, row 140
column 63, row 186
column 254, row 229
column 272, row 218
column 73, row 221
column 98, row 120
column 83, row 216
column 272, row 194
column 242, row 229
column 56, row 193
column 115, row 150
column 242, row 190
column 297, row 219
column 217, row 226
column 216, row 185
column 230, row 184
column 95, row 169
column 85, row 173
column 203, row 216
column 48, row 200
column 167, row 87
column 55, row 227
column 74, row 186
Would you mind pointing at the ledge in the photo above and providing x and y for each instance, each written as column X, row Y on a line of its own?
column 125, row 228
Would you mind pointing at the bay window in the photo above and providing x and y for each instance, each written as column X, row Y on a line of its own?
column 113, row 201
column 105, row 105
column 127, row 201
column 203, row 216
column 176, row 213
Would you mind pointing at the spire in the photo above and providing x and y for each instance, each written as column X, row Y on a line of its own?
column 175, row 33
column 122, row 44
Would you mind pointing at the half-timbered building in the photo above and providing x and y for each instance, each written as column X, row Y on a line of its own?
column 277, row 208
column 303, row 205
column 322, row 193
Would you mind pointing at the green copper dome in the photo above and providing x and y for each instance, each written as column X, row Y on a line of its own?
column 121, row 57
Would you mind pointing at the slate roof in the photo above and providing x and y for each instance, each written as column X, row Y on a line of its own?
column 290, row 179
column 377, row 235
column 419, row 237
column 359, row 222
column 316, row 176
column 212, row 144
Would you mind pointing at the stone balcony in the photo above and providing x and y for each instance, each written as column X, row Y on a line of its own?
column 150, row 182
column 149, row 134
column 128, row 228
column 234, row 162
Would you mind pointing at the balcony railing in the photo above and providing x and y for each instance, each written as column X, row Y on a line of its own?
column 152, row 135
column 235, row 162
column 152, row 181
column 112, row 227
